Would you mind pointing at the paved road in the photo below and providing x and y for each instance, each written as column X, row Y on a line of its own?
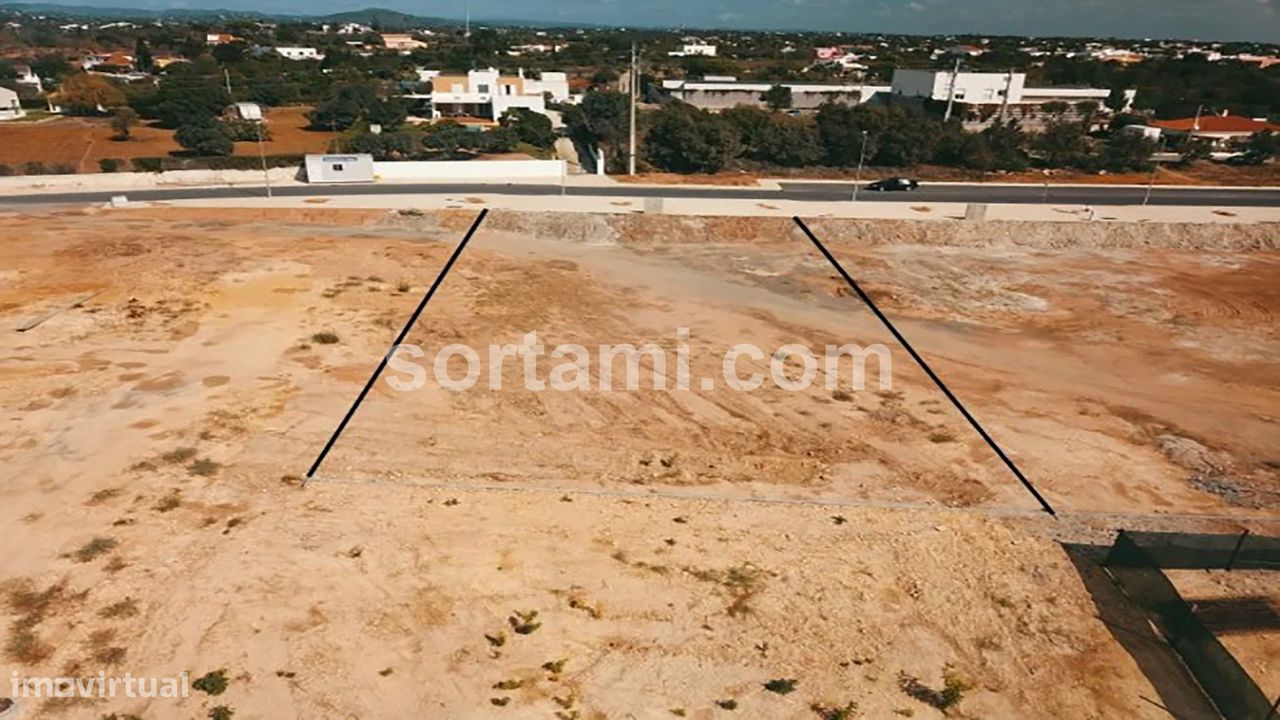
column 804, row 191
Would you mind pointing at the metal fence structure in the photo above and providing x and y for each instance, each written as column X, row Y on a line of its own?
column 1137, row 562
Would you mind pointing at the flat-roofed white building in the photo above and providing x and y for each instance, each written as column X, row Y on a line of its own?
column 298, row 53
column 983, row 88
column 689, row 49
column 339, row 168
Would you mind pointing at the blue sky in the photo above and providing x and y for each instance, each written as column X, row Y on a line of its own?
column 1257, row 20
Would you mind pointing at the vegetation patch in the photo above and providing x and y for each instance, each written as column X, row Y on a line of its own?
column 214, row 683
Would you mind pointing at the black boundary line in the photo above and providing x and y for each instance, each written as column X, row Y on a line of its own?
column 1044, row 504
column 399, row 339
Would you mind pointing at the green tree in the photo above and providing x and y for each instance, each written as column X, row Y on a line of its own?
column 840, row 129
column 1117, row 100
column 205, row 138
column 142, row 57
column 777, row 97
column 351, row 102
column 1055, row 109
column 1008, row 145
column 601, row 78
column 1128, row 151
column 497, row 140
column 529, row 127
column 1062, row 144
column 385, row 146
column 122, row 121
column 85, row 94
column 447, row 137
column 1194, row 150
column 231, row 53
column 185, row 98
column 1261, row 147
column 774, row 139
column 600, row 120
column 685, row 139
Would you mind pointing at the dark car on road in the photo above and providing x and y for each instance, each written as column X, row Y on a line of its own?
column 890, row 184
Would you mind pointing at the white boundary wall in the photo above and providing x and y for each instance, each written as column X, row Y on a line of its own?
column 94, row 182
column 410, row 170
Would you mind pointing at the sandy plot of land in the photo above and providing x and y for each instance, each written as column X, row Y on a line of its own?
column 82, row 142
column 1242, row 609
column 153, row 438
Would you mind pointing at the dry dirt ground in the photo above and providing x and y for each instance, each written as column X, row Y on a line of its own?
column 681, row 550
column 82, row 142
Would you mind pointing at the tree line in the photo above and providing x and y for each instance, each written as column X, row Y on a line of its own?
column 681, row 138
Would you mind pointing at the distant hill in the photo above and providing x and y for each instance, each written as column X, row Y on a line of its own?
column 380, row 18
column 120, row 13
column 383, row 19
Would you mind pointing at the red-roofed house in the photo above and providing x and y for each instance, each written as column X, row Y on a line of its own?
column 1218, row 128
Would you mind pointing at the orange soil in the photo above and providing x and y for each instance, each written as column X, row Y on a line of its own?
column 82, row 142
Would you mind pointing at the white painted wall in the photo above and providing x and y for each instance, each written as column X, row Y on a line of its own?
column 976, row 88
column 98, row 182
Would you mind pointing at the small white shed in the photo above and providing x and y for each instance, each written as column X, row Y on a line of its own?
column 10, row 108
column 351, row 168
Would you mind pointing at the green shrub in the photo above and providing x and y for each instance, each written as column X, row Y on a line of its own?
column 214, row 683
column 94, row 548
column 151, row 164
column 110, row 165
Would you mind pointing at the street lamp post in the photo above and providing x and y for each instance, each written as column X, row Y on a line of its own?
column 1155, row 167
column 262, row 153
column 862, row 155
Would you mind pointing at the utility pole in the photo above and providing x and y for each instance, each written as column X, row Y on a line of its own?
column 631, row 85
column 226, row 75
column 951, row 94
column 862, row 155
column 1008, row 87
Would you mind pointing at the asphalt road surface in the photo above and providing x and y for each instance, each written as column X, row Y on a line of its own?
column 803, row 191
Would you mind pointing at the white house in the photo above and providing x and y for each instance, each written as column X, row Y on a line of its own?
column 10, row 108
column 299, row 53
column 487, row 94
column 694, row 49
column 353, row 29
column 555, row 84
column 27, row 77
column 402, row 42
